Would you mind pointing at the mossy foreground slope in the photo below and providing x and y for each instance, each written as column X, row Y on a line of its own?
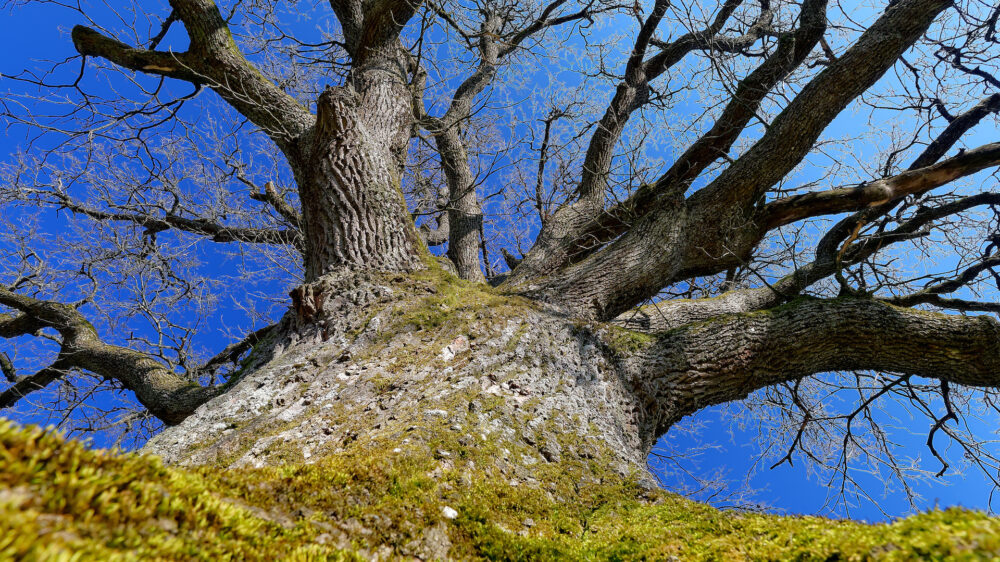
column 60, row 500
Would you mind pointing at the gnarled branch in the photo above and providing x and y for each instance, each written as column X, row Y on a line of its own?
column 165, row 394
column 911, row 182
column 213, row 59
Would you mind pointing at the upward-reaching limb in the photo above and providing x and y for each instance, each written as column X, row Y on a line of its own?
column 582, row 225
column 715, row 228
column 494, row 41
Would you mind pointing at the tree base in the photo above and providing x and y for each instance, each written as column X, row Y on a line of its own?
column 423, row 364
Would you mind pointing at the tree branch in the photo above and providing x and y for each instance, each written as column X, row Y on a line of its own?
column 271, row 196
column 383, row 22
column 728, row 358
column 172, row 65
column 583, row 226
column 19, row 325
column 216, row 232
column 750, row 92
column 464, row 210
column 707, row 39
column 7, row 367
column 436, row 236
column 932, row 293
column 232, row 352
column 794, row 131
column 713, row 229
column 957, row 127
column 24, row 386
column 213, row 59
column 668, row 315
column 164, row 393
column 912, row 182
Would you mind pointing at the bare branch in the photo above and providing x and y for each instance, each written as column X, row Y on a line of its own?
column 938, row 424
column 912, row 182
column 165, row 394
column 233, row 351
column 271, row 196
column 216, row 232
column 656, row 251
column 24, row 386
column 583, row 226
column 955, row 129
column 172, row 65
column 213, row 60
column 7, row 367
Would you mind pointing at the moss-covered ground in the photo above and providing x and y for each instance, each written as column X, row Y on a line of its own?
column 60, row 500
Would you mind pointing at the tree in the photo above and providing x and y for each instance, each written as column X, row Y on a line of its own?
column 647, row 293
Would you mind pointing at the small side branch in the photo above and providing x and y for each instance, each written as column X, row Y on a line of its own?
column 955, row 129
column 938, row 424
column 24, row 386
column 214, row 231
column 7, row 366
column 271, row 196
column 232, row 352
column 873, row 194
column 155, row 41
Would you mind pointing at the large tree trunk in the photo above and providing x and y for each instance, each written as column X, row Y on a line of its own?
column 349, row 179
column 419, row 361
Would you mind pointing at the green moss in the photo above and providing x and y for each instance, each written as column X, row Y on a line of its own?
column 88, row 325
column 449, row 298
column 439, row 307
column 382, row 384
column 59, row 499
column 516, row 337
column 626, row 341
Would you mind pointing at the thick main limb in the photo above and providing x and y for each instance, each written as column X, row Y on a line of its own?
column 715, row 228
column 830, row 257
column 729, row 357
column 580, row 224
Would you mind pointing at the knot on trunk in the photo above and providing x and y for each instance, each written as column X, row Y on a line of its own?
column 336, row 302
column 307, row 301
column 336, row 113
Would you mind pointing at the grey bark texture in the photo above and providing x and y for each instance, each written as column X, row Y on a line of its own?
column 506, row 371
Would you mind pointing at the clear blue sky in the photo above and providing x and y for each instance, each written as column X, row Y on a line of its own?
column 38, row 32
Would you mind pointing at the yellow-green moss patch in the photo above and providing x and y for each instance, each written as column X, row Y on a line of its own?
column 626, row 341
column 59, row 499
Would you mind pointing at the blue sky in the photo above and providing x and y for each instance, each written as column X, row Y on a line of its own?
column 40, row 32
